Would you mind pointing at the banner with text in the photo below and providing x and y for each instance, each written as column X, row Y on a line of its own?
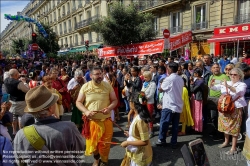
column 145, row 48
column 181, row 40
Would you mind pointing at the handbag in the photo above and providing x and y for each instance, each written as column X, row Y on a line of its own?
column 226, row 103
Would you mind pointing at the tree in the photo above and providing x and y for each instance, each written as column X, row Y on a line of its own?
column 49, row 44
column 125, row 25
column 20, row 44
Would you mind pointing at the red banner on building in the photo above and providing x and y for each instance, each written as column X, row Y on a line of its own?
column 145, row 48
column 181, row 40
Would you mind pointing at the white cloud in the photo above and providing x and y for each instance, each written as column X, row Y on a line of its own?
column 10, row 7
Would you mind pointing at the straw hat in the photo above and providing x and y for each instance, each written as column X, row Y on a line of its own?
column 39, row 98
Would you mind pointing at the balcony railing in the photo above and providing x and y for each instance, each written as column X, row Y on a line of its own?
column 176, row 29
column 200, row 25
column 87, row 22
column 242, row 18
column 152, row 3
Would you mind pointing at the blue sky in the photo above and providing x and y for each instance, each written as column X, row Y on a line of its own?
column 10, row 7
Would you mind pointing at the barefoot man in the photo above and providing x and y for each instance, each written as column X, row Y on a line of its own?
column 96, row 99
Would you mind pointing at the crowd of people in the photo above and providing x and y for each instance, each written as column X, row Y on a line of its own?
column 152, row 91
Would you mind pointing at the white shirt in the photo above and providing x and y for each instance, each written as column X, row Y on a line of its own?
column 72, row 83
column 172, row 97
column 240, row 91
column 234, row 60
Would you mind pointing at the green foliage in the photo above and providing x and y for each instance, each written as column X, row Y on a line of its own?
column 49, row 44
column 125, row 25
column 16, row 47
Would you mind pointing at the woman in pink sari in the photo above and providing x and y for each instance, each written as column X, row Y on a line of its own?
column 197, row 88
column 61, row 87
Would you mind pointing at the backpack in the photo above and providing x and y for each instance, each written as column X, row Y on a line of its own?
column 226, row 103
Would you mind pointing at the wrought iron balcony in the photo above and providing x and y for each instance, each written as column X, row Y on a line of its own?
column 200, row 25
column 242, row 18
column 143, row 5
column 87, row 22
column 176, row 29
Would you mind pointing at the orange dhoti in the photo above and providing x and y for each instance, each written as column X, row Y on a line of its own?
column 99, row 131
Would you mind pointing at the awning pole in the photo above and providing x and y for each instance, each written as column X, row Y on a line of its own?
column 238, row 49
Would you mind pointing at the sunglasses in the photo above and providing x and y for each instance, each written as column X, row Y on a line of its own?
column 233, row 74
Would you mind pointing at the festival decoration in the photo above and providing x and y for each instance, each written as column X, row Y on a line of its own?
column 28, row 19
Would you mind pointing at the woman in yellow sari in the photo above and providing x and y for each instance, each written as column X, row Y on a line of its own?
column 47, row 81
column 185, row 116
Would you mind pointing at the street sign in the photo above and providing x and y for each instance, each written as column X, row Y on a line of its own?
column 166, row 33
column 34, row 46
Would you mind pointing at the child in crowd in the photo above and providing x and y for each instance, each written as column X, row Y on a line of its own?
column 138, row 147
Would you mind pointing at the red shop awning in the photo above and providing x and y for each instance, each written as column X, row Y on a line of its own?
column 231, row 33
column 227, row 38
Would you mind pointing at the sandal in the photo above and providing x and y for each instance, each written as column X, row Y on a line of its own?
column 181, row 134
column 223, row 145
column 231, row 152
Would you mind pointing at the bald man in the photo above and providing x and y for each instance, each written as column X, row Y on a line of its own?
column 17, row 90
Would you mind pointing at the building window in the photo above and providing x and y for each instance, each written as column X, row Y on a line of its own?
column 61, row 42
column 156, row 24
column 97, row 10
column 90, row 37
column 244, row 11
column 175, row 22
column 76, row 39
column 200, row 17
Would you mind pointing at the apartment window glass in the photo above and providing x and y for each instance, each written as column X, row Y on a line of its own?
column 65, row 26
column 60, row 28
column 175, row 22
column 244, row 11
column 200, row 16
column 66, row 40
column 90, row 37
column 156, row 24
column 69, row 24
column 76, row 38
column 97, row 10
column 68, row 7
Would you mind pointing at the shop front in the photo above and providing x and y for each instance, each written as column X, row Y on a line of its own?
column 231, row 40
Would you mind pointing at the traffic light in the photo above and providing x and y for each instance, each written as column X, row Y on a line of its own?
column 34, row 35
